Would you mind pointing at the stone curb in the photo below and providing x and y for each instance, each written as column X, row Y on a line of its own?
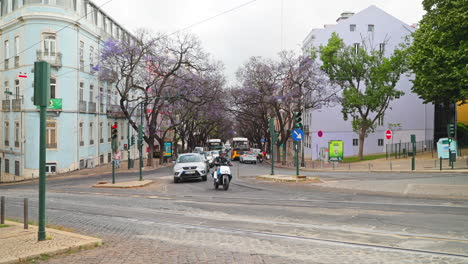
column 287, row 178
column 88, row 241
column 124, row 185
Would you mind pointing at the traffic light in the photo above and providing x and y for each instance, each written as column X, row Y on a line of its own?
column 451, row 130
column 297, row 120
column 132, row 140
column 114, row 131
column 125, row 146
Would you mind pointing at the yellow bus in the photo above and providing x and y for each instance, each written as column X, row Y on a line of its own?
column 239, row 145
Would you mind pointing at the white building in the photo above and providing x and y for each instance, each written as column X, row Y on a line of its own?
column 378, row 29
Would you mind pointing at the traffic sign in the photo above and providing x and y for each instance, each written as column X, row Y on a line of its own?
column 297, row 134
column 22, row 75
column 388, row 134
column 320, row 133
column 263, row 140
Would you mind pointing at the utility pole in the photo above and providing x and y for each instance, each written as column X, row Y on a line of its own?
column 41, row 99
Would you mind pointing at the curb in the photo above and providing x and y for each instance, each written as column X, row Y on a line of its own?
column 121, row 185
column 291, row 179
column 91, row 241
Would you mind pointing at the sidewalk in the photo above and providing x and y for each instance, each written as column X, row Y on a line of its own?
column 98, row 170
column 18, row 244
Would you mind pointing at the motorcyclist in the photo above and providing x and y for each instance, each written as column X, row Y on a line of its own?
column 220, row 161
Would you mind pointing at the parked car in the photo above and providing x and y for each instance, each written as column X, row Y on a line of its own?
column 190, row 166
column 248, row 157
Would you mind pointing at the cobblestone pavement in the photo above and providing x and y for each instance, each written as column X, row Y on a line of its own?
column 161, row 224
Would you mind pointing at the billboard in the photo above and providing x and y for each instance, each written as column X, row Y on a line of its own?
column 335, row 150
column 167, row 149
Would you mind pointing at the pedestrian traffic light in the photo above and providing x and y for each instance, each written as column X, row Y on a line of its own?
column 125, row 146
column 297, row 120
column 114, row 131
column 451, row 130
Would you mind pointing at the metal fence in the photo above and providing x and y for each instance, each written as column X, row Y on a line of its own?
column 404, row 149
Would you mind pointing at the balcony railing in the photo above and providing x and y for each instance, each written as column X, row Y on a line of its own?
column 16, row 104
column 51, row 145
column 54, row 58
column 102, row 108
column 16, row 144
column 115, row 111
column 83, row 106
column 6, row 105
column 6, row 64
column 17, row 64
column 81, row 65
column 92, row 107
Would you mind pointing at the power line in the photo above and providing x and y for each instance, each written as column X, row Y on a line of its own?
column 212, row 17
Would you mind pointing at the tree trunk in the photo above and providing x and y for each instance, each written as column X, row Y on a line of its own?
column 362, row 136
column 149, row 162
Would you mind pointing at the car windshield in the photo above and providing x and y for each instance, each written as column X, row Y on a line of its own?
column 214, row 152
column 188, row 158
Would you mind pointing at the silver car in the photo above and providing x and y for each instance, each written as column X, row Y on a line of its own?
column 190, row 166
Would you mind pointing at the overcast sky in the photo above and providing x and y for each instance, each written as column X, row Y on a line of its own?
column 252, row 30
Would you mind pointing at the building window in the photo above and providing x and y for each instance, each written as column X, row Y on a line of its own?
column 7, row 88
column 91, row 58
column 382, row 48
column 355, row 142
column 81, row 91
column 91, row 93
column 6, row 133
column 53, row 87
column 352, row 27
column 380, row 120
column 6, row 53
column 380, row 142
column 49, row 45
column 81, row 56
column 370, row 28
column 51, row 168
column 17, row 168
column 4, row 7
column 356, row 48
column 101, row 132
column 7, row 166
column 109, row 158
column 81, row 134
column 51, row 135
column 17, row 89
column 17, row 50
column 17, row 134
column 109, row 125
column 91, row 133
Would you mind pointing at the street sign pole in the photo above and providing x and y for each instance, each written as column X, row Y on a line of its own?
column 41, row 98
column 297, row 157
column 413, row 158
column 140, row 141
column 272, row 143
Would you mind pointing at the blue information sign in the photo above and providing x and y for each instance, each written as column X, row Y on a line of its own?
column 263, row 140
column 297, row 134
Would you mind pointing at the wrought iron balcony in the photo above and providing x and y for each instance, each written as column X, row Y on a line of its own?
column 115, row 111
column 6, row 105
column 92, row 107
column 54, row 58
column 16, row 105
column 83, row 106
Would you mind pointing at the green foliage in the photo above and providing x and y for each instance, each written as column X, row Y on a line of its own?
column 368, row 80
column 439, row 52
column 367, row 157
column 2, row 225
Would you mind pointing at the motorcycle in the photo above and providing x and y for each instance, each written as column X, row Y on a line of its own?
column 222, row 175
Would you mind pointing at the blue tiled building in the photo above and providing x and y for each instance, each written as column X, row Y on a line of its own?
column 68, row 34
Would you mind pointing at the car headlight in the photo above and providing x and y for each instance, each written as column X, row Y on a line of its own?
column 202, row 171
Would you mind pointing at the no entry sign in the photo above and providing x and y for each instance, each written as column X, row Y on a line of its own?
column 388, row 134
column 320, row 133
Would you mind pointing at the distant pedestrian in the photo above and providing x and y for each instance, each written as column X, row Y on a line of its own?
column 117, row 158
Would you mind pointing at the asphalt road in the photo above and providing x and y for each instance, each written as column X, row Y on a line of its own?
column 253, row 222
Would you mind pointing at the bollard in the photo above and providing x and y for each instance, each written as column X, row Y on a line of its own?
column 391, row 168
column 25, row 214
column 2, row 210
column 349, row 166
column 440, row 163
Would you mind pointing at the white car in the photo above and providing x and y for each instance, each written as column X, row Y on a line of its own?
column 190, row 166
column 248, row 157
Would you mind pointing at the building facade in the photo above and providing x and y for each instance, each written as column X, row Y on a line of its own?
column 407, row 115
column 68, row 34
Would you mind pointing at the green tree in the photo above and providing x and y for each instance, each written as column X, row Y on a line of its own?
column 439, row 52
column 368, row 81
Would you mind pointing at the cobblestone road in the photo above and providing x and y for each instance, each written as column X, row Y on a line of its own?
column 164, row 228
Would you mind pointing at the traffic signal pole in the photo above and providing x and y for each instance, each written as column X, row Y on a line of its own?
column 41, row 99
